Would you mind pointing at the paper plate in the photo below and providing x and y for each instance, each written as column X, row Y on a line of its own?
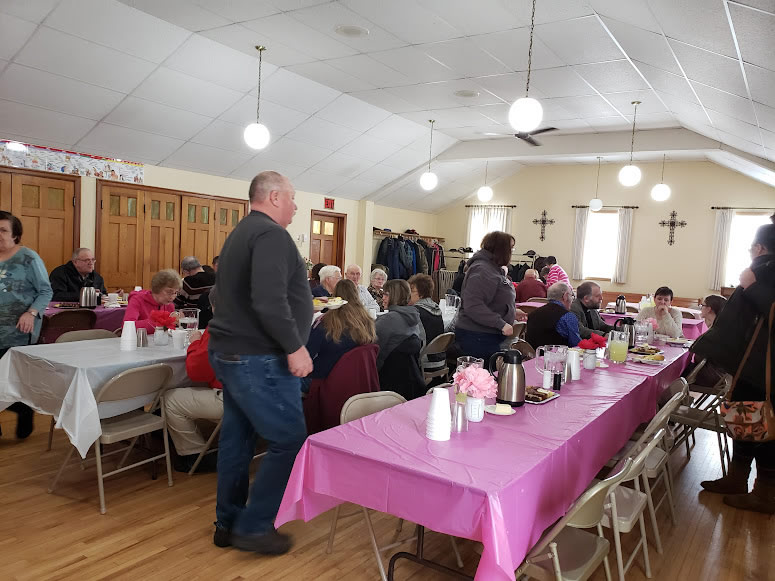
column 330, row 307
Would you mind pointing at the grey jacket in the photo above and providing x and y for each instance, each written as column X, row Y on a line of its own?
column 488, row 298
column 599, row 326
column 400, row 323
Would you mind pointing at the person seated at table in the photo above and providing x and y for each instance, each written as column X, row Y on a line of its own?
column 329, row 276
column 585, row 307
column 184, row 405
column 669, row 319
column 554, row 323
column 314, row 275
column 556, row 272
column 709, row 375
column 710, row 308
column 215, row 264
column 353, row 273
column 376, row 283
column 196, row 282
column 531, row 286
column 401, row 321
column 25, row 292
column 421, row 289
column 68, row 279
column 338, row 331
column 165, row 285
column 543, row 273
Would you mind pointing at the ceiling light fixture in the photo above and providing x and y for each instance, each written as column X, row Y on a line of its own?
column 596, row 204
column 351, row 31
column 466, row 94
column 429, row 180
column 16, row 146
column 629, row 175
column 526, row 113
column 661, row 191
column 256, row 134
column 485, row 192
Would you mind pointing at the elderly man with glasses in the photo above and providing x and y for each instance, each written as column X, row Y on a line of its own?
column 68, row 280
column 554, row 323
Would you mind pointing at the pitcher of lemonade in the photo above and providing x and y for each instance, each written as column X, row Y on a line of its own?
column 618, row 343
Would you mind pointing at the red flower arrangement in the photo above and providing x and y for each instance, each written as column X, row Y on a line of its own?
column 593, row 342
column 163, row 319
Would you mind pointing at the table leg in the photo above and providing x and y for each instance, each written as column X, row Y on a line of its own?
column 420, row 560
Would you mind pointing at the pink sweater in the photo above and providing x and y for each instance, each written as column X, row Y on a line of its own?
column 139, row 308
column 556, row 274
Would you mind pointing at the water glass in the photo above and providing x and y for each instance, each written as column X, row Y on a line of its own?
column 189, row 321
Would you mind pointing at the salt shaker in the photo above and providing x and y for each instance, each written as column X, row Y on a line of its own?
column 142, row 338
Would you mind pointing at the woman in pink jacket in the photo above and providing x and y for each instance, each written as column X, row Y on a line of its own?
column 165, row 285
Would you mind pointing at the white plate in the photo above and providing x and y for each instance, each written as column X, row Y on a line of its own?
column 638, row 359
column 657, row 352
column 601, row 365
column 322, row 306
column 490, row 409
column 679, row 341
column 554, row 397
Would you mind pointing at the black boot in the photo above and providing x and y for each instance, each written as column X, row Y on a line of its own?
column 736, row 480
column 761, row 499
column 24, row 424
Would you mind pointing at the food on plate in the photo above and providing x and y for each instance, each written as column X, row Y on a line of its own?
column 655, row 357
column 538, row 394
column 502, row 408
column 645, row 349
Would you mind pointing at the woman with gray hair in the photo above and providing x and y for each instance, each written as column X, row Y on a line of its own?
column 329, row 276
column 165, row 285
column 376, row 282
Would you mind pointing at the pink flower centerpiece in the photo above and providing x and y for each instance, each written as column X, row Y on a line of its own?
column 476, row 382
column 653, row 322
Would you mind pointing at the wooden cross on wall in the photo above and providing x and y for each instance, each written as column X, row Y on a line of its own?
column 672, row 223
column 544, row 221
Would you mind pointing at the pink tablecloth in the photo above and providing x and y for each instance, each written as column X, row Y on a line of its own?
column 110, row 319
column 692, row 328
column 502, row 483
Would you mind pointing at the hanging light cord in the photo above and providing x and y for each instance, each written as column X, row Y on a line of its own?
column 597, row 183
column 530, row 49
column 486, row 164
column 430, row 147
column 632, row 143
column 261, row 50
column 664, row 155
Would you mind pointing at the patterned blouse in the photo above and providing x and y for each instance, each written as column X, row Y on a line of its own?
column 23, row 285
column 377, row 293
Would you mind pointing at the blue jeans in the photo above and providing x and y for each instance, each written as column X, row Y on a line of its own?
column 478, row 344
column 260, row 398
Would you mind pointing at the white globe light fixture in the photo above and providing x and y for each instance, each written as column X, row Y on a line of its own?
column 484, row 194
column 256, row 135
column 629, row 175
column 596, row 204
column 661, row 191
column 429, row 181
column 525, row 114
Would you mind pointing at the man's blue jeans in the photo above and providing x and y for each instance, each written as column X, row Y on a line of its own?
column 260, row 397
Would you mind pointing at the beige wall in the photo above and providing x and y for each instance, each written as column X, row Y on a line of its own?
column 684, row 266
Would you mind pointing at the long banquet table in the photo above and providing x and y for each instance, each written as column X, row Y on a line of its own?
column 692, row 328
column 502, row 483
column 109, row 319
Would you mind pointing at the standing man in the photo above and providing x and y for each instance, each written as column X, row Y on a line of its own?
column 257, row 349
column 68, row 280
column 353, row 273
column 586, row 306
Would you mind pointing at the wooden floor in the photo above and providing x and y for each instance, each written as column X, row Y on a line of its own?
column 154, row 532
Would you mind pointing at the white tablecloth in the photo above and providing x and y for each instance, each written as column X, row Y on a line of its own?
column 62, row 379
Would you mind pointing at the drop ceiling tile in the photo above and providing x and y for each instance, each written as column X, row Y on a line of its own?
column 185, row 92
column 415, row 64
column 458, row 117
column 645, row 46
column 735, row 127
column 318, row 182
column 769, row 139
column 381, row 174
column 280, row 120
column 693, row 22
column 742, row 144
column 259, row 163
column 155, row 117
column 579, row 41
column 241, row 10
column 128, row 143
column 116, row 25
column 38, row 141
column 42, row 89
column 326, row 17
column 464, row 57
column 654, row 120
column 41, row 124
column 762, row 83
column 385, row 100
column 511, row 48
column 288, row 5
column 727, row 103
column 370, row 148
column 710, row 68
column 182, row 13
column 296, row 92
column 766, row 116
column 442, row 95
column 398, row 130
column 287, row 150
column 603, row 124
column 590, row 106
column 350, row 112
column 632, row 14
column 227, row 136
column 407, row 159
column 322, row 72
column 567, row 126
column 507, row 88
column 31, row 11
column 3, row 64
column 322, row 133
column 476, row 18
column 370, row 70
column 406, row 19
column 766, row 5
column 245, row 40
column 69, row 56
column 612, row 77
column 665, row 82
column 649, row 103
column 441, row 142
column 343, row 165
column 206, row 159
column 14, row 32
column 281, row 27
column 684, row 109
column 553, row 11
column 560, row 82
column 356, row 189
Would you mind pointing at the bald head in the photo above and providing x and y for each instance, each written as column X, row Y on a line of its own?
column 272, row 193
column 264, row 183
column 531, row 273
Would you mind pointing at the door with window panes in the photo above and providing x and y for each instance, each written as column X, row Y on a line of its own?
column 326, row 240
column 197, row 233
column 228, row 215
column 161, row 248
column 121, row 237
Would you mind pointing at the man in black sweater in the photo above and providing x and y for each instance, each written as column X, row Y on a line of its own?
column 68, row 280
column 196, row 282
column 257, row 349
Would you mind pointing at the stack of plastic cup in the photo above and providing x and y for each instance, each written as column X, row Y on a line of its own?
column 129, row 336
column 439, row 422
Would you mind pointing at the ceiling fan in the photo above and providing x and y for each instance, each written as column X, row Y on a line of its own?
column 528, row 137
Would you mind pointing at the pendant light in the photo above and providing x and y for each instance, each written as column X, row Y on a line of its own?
column 485, row 192
column 596, row 204
column 629, row 175
column 256, row 134
column 429, row 180
column 526, row 113
column 661, row 191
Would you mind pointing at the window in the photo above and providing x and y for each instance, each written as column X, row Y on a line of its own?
column 600, row 245
column 741, row 235
column 484, row 219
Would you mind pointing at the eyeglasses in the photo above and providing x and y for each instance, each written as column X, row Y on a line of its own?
column 92, row 260
column 170, row 292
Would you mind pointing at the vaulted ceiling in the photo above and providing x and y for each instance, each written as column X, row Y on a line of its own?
column 173, row 83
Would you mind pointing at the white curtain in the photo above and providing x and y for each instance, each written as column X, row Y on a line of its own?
column 580, row 233
column 484, row 219
column 718, row 258
column 623, row 239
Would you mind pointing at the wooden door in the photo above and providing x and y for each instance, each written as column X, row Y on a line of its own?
column 161, row 240
column 45, row 207
column 326, row 240
column 197, row 228
column 120, row 260
column 227, row 216
column 5, row 191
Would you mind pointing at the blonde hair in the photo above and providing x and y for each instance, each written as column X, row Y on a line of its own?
column 351, row 318
column 165, row 279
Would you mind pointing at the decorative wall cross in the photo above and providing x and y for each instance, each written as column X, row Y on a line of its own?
column 544, row 221
column 672, row 223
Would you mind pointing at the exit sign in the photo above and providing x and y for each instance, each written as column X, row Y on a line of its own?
column 328, row 203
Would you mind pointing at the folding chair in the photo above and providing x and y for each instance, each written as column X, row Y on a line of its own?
column 150, row 381
column 59, row 323
column 438, row 346
column 207, row 449
column 537, row 300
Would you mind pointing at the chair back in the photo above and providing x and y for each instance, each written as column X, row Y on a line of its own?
column 642, row 454
column 537, row 300
column 439, row 345
column 525, row 348
column 59, row 323
column 401, row 370
column 680, row 389
column 136, row 382
column 631, row 309
column 689, row 315
column 444, row 385
column 364, row 404
column 692, row 377
column 527, row 309
column 85, row 335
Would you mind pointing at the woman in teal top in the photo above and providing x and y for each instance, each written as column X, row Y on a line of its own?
column 24, row 294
